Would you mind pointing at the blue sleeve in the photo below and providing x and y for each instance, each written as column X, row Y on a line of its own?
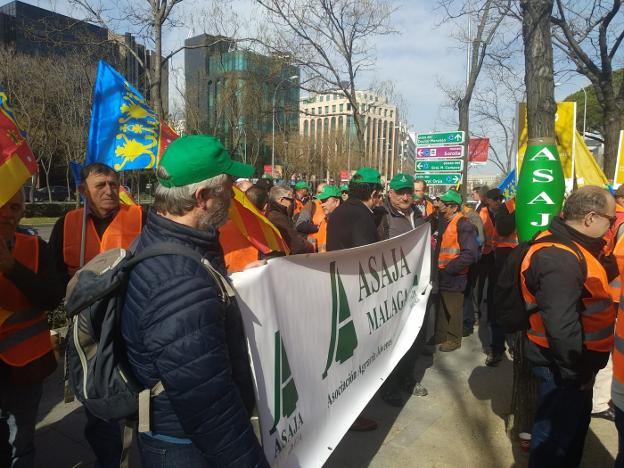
column 186, row 339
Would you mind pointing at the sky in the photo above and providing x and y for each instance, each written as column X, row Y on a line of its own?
column 415, row 59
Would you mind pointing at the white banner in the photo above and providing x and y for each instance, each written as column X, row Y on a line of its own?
column 325, row 330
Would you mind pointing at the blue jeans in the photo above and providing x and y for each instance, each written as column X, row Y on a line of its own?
column 619, row 423
column 105, row 441
column 156, row 453
column 18, row 415
column 561, row 422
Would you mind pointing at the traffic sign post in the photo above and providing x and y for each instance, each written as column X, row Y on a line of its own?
column 439, row 179
column 440, row 165
column 440, row 138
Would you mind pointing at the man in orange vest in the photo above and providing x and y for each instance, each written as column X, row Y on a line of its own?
column 302, row 190
column 421, row 200
column 109, row 225
column 29, row 287
column 457, row 249
column 329, row 198
column 572, row 318
column 505, row 239
column 311, row 216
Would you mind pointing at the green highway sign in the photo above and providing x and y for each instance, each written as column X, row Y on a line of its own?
column 440, row 165
column 439, row 138
column 439, row 179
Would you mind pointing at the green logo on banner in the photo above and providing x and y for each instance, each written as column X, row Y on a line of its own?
column 343, row 337
column 286, row 395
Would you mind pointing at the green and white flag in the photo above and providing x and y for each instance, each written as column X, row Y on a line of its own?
column 324, row 332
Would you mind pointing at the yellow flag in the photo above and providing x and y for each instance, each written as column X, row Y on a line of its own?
column 585, row 166
column 565, row 120
column 618, row 177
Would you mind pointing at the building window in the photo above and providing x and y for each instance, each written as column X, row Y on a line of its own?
column 348, row 107
column 320, row 110
column 312, row 111
column 341, row 107
column 327, row 109
column 334, row 108
column 391, row 114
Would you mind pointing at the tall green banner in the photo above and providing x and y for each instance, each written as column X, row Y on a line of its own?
column 540, row 189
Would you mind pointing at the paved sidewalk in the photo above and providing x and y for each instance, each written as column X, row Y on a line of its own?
column 460, row 423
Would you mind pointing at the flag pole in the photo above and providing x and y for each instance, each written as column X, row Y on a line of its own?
column 83, row 234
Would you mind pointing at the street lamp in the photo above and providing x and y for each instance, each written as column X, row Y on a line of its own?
column 290, row 78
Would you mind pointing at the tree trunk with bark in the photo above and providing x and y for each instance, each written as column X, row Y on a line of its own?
column 541, row 110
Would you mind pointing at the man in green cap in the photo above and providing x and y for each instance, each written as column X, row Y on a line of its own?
column 353, row 223
column 344, row 189
column 401, row 216
column 176, row 327
column 302, row 189
column 456, row 249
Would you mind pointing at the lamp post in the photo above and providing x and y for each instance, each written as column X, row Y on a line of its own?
column 290, row 78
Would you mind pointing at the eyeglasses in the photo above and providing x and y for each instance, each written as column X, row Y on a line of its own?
column 612, row 219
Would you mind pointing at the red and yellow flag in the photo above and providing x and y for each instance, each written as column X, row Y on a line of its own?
column 254, row 226
column 17, row 163
column 126, row 197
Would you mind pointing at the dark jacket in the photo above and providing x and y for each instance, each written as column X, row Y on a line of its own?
column 177, row 329
column 278, row 215
column 350, row 225
column 394, row 223
column 451, row 278
column 555, row 277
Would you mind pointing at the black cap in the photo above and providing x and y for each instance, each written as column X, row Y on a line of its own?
column 494, row 194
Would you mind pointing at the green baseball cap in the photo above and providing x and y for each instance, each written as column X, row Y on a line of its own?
column 451, row 197
column 402, row 181
column 328, row 192
column 193, row 158
column 302, row 184
column 345, row 188
column 367, row 175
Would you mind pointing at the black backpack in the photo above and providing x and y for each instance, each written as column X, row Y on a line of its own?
column 96, row 361
column 509, row 309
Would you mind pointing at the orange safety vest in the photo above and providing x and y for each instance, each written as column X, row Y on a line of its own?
column 617, row 388
column 24, row 332
column 488, row 229
column 320, row 236
column 611, row 235
column 124, row 228
column 598, row 314
column 237, row 250
column 511, row 240
column 298, row 206
column 616, row 248
column 450, row 248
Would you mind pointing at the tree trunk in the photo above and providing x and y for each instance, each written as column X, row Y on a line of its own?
column 157, row 71
column 541, row 110
column 612, row 121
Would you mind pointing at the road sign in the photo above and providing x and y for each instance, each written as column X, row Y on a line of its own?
column 439, row 138
column 426, row 152
column 440, row 165
column 439, row 179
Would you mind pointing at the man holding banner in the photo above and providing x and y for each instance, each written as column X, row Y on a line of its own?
column 177, row 326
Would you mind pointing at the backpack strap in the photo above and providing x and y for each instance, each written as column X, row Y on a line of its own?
column 568, row 243
column 170, row 248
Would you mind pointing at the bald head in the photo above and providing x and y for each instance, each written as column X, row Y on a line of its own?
column 590, row 210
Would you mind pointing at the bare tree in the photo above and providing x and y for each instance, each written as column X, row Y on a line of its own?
column 590, row 35
column 488, row 15
column 330, row 40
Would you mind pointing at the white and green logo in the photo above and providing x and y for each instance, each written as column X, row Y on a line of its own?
column 343, row 337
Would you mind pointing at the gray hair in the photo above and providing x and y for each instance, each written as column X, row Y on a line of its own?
column 280, row 191
column 180, row 200
column 585, row 200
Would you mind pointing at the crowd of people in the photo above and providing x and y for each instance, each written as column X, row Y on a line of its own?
column 178, row 331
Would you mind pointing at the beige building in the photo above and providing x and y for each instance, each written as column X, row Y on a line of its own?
column 322, row 115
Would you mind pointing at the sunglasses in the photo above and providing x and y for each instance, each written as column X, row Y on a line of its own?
column 612, row 219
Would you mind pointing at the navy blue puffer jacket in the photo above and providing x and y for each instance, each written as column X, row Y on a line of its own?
column 178, row 330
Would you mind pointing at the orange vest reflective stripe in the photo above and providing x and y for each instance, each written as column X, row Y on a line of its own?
column 237, row 250
column 24, row 333
column 598, row 314
column 511, row 240
column 449, row 247
column 124, row 228
column 488, row 230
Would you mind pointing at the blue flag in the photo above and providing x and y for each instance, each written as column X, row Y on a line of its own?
column 125, row 133
column 508, row 185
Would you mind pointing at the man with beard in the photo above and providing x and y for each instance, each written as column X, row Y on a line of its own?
column 179, row 330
